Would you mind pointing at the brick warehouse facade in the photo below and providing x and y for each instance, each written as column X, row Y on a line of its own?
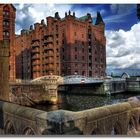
column 65, row 46
column 7, row 32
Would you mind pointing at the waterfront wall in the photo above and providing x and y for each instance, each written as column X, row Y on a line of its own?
column 133, row 84
column 42, row 89
column 120, row 119
column 114, row 86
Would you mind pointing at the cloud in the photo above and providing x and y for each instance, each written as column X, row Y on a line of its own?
column 28, row 14
column 122, row 8
column 123, row 48
column 120, row 11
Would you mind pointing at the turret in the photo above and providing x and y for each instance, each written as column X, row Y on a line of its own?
column 99, row 19
column 31, row 27
column 57, row 15
column 65, row 14
column 73, row 14
column 42, row 22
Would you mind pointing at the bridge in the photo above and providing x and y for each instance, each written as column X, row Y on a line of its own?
column 46, row 88
column 79, row 79
column 117, row 119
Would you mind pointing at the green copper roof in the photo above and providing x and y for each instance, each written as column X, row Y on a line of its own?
column 83, row 18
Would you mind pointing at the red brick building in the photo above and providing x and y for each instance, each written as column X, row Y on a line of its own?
column 65, row 46
column 7, row 32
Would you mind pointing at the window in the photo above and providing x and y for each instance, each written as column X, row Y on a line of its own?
column 90, row 73
column 56, row 27
column 89, row 43
column 74, row 33
column 76, row 72
column 83, row 50
column 90, row 57
column 83, row 72
column 75, row 49
column 89, row 36
column 63, row 42
column 56, row 35
column 83, row 57
column 63, row 50
column 6, row 13
column 63, row 34
column 6, row 23
column 75, row 57
column 89, row 50
column 6, row 34
column 57, row 50
column 95, row 52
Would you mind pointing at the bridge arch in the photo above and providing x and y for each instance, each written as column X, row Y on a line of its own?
column 116, row 129
column 9, row 128
column 28, row 131
column 125, row 75
column 96, row 132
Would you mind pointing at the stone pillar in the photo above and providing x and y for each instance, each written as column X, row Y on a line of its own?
column 52, row 93
column 4, row 70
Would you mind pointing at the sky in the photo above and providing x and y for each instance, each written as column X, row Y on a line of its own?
column 122, row 28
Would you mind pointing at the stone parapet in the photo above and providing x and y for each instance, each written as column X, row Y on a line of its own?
column 117, row 119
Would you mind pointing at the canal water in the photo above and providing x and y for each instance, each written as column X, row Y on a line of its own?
column 76, row 102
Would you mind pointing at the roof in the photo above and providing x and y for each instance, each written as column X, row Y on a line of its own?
column 9, row 5
column 99, row 19
column 83, row 18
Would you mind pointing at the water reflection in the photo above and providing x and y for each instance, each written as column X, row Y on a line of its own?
column 76, row 102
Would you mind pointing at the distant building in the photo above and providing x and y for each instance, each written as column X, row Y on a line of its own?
column 118, row 72
column 138, row 11
column 65, row 46
column 7, row 32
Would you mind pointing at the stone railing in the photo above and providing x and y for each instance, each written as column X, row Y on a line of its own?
column 117, row 119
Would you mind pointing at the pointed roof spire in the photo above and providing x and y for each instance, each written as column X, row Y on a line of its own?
column 99, row 19
column 57, row 15
column 74, row 14
column 65, row 14
column 69, row 12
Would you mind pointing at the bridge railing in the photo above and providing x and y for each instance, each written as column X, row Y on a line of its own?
column 117, row 119
column 77, row 79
